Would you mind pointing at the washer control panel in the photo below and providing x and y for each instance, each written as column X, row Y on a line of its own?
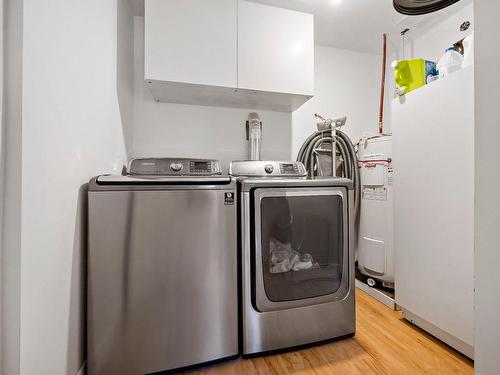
column 267, row 169
column 173, row 167
column 289, row 169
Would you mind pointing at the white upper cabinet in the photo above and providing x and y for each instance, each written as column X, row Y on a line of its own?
column 275, row 49
column 191, row 41
column 228, row 53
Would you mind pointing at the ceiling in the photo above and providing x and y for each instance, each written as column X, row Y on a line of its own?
column 353, row 24
column 348, row 24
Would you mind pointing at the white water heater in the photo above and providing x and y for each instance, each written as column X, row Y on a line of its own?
column 375, row 243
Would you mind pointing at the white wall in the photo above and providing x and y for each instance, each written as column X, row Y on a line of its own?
column 432, row 43
column 2, row 177
column 164, row 129
column 125, row 68
column 487, row 185
column 433, row 214
column 428, row 43
column 346, row 83
column 71, row 130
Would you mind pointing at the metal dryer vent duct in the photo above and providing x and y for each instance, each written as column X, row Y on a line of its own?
column 419, row 7
column 254, row 136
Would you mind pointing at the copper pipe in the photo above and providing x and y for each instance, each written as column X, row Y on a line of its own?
column 382, row 88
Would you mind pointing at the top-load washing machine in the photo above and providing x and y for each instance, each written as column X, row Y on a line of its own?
column 162, row 267
column 297, row 256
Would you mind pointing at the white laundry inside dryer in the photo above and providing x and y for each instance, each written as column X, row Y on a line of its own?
column 301, row 249
column 284, row 258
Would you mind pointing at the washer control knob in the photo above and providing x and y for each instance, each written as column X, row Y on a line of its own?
column 176, row 167
column 269, row 169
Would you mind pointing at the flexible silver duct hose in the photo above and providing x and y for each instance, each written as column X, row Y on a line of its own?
column 349, row 167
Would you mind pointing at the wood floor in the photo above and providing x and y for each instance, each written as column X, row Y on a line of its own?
column 384, row 344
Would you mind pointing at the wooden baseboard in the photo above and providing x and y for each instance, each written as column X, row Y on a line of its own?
column 454, row 342
column 377, row 294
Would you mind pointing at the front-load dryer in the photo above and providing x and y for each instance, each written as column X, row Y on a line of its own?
column 297, row 256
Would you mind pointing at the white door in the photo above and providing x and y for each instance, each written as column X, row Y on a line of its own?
column 191, row 41
column 301, row 247
column 275, row 49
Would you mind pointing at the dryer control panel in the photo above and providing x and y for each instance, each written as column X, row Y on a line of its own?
column 173, row 167
column 267, row 169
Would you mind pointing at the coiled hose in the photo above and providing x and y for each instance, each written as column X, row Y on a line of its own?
column 350, row 170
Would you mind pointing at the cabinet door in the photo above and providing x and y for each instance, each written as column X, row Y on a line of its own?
column 275, row 49
column 191, row 41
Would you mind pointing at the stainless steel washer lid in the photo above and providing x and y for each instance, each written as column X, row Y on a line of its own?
column 267, row 169
column 167, row 180
column 119, row 182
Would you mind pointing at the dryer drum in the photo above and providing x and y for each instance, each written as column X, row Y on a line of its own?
column 418, row 7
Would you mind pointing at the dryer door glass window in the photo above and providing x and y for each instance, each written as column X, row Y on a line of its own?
column 301, row 245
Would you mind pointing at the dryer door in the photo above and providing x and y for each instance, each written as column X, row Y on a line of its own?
column 301, row 248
